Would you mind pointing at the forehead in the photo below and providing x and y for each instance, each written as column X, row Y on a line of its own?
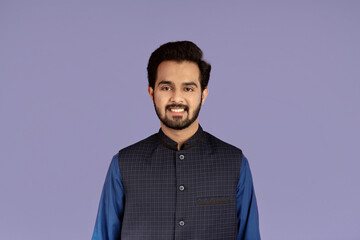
column 178, row 72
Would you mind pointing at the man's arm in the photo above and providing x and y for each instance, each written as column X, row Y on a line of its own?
column 111, row 207
column 247, row 211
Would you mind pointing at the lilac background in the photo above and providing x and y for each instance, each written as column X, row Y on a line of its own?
column 285, row 87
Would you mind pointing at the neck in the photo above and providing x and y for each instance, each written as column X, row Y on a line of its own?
column 181, row 136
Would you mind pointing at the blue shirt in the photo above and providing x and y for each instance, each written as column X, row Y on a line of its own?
column 111, row 207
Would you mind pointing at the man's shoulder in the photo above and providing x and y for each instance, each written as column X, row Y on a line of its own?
column 141, row 147
column 220, row 145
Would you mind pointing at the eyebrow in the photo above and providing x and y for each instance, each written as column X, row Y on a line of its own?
column 172, row 83
column 190, row 84
column 165, row 82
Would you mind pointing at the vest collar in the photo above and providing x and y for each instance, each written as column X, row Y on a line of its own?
column 171, row 144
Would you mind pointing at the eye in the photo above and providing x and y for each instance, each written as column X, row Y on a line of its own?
column 165, row 88
column 188, row 89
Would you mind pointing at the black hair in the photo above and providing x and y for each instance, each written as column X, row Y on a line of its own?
column 178, row 51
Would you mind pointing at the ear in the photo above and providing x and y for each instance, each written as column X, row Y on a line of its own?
column 151, row 93
column 204, row 95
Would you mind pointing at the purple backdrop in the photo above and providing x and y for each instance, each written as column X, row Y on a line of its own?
column 284, row 88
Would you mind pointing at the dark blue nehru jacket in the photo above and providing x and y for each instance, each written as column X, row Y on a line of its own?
column 158, row 192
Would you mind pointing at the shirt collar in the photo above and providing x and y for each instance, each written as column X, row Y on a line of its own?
column 171, row 144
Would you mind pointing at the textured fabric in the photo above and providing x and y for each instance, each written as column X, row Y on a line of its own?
column 153, row 191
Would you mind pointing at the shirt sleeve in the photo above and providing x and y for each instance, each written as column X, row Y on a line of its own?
column 247, row 211
column 111, row 207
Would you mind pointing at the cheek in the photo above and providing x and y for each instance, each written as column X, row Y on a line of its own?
column 195, row 101
column 159, row 100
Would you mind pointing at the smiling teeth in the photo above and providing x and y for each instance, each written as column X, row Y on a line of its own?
column 177, row 110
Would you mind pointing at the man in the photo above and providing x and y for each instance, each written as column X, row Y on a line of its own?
column 182, row 182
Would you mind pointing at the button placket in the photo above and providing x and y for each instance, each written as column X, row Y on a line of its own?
column 180, row 170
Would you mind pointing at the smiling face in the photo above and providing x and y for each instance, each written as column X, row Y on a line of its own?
column 177, row 96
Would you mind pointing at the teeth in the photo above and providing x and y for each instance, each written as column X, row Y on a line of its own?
column 177, row 110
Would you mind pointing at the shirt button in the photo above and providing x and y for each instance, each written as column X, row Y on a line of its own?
column 181, row 188
column 181, row 223
column 181, row 157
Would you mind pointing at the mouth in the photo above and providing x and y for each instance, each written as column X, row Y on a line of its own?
column 177, row 109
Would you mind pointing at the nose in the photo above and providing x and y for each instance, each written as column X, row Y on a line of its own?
column 176, row 96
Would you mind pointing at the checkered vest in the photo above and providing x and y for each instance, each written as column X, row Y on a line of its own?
column 188, row 194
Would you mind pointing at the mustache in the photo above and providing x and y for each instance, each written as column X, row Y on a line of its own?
column 185, row 107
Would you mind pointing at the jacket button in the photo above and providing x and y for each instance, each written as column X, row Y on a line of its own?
column 181, row 157
column 181, row 223
column 181, row 188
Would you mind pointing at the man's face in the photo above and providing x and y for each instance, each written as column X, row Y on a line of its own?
column 177, row 96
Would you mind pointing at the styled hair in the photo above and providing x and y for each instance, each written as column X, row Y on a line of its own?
column 178, row 51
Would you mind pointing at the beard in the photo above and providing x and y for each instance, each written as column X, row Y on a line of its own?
column 177, row 123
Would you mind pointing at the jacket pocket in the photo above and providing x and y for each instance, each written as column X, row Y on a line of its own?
column 215, row 200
